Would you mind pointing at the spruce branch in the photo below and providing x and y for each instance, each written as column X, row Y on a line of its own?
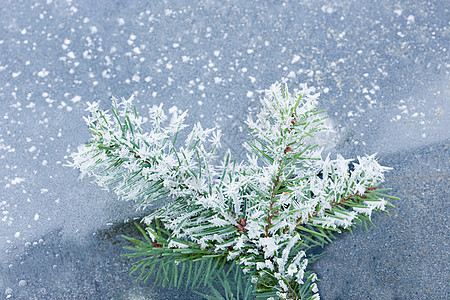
column 258, row 218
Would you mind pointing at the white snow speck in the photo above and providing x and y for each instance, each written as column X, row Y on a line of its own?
column 136, row 78
column 67, row 41
column 94, row 29
column 201, row 87
column 15, row 74
column 410, row 19
column 175, row 45
column 24, row 31
column 17, row 180
column 32, row 149
column 36, row 217
column 17, row 234
column 398, row 12
column 327, row 9
column 291, row 74
column 132, row 37
column 76, row 99
column 295, row 59
column 249, row 51
column 169, row 66
column 43, row 73
column 121, row 21
column 49, row 1
column 216, row 53
column 105, row 73
column 71, row 55
column 137, row 50
column 173, row 110
column 8, row 292
column 249, row 94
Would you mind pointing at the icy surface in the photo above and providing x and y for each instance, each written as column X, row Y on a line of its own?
column 382, row 68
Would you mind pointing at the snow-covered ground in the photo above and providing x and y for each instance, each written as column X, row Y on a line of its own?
column 382, row 68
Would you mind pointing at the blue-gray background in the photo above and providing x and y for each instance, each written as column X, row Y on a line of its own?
column 382, row 68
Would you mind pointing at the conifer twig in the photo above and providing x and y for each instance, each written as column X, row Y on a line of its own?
column 257, row 219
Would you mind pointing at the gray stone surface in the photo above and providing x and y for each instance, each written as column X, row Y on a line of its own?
column 382, row 68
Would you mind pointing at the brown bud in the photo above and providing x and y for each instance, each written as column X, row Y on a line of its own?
column 156, row 245
column 242, row 222
column 294, row 120
column 288, row 149
column 240, row 228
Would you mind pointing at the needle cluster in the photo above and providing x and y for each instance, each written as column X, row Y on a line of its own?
column 262, row 215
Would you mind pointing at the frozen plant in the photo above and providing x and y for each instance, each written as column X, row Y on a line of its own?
column 256, row 220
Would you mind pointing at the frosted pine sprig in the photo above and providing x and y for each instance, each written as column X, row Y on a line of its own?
column 263, row 214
